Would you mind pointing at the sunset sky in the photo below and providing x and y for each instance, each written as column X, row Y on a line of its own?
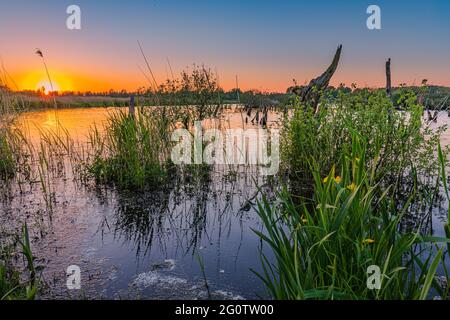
column 266, row 43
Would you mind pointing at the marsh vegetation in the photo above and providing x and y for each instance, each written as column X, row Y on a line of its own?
column 362, row 183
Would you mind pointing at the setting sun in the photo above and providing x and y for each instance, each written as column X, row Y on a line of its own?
column 46, row 86
column 36, row 80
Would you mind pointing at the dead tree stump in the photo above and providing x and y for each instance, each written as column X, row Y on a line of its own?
column 310, row 95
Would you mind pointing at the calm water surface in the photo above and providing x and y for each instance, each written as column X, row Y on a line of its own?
column 145, row 245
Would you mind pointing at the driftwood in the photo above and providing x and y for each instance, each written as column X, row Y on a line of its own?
column 310, row 95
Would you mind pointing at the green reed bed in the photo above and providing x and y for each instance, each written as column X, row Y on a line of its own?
column 324, row 246
column 16, row 254
column 13, row 154
column 347, row 199
column 134, row 151
column 15, row 249
column 7, row 163
column 400, row 144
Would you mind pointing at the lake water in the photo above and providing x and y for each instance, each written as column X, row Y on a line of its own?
column 144, row 245
column 149, row 245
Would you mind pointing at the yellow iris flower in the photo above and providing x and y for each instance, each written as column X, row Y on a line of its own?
column 351, row 187
column 337, row 179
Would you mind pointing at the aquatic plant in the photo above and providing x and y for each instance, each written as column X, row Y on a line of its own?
column 443, row 164
column 400, row 145
column 14, row 152
column 12, row 286
column 196, row 93
column 7, row 164
column 134, row 151
column 324, row 246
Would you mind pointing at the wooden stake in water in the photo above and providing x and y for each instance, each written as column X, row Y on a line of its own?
column 131, row 108
column 388, row 77
column 237, row 91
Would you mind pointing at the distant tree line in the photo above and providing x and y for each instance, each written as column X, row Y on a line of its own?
column 200, row 87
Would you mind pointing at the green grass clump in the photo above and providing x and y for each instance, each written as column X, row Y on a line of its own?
column 134, row 151
column 12, row 141
column 7, row 163
column 15, row 153
column 12, row 283
column 400, row 146
column 323, row 246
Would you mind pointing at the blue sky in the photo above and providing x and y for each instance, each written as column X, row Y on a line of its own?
column 267, row 43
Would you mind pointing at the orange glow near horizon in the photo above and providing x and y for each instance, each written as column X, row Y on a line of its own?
column 97, row 74
column 36, row 80
column 62, row 82
column 30, row 75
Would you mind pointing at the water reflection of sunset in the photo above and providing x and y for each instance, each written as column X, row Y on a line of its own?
column 51, row 121
column 75, row 121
